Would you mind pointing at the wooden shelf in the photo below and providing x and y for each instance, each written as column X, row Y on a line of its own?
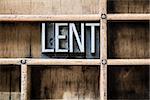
column 128, row 16
column 128, row 61
column 10, row 61
column 88, row 17
column 17, row 61
column 64, row 62
column 31, row 18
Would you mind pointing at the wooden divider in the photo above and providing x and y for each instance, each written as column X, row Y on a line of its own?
column 17, row 61
column 24, row 82
column 103, row 50
column 128, row 61
column 128, row 16
column 87, row 17
column 91, row 17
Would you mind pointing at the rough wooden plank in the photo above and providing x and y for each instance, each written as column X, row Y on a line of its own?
column 117, row 6
column 91, row 17
column 74, row 61
column 9, row 78
column 128, row 40
column 128, row 16
column 24, row 82
column 64, row 62
column 103, row 50
column 103, row 39
column 9, row 82
column 43, row 7
column 9, row 96
column 128, row 61
column 14, row 38
column 128, row 82
column 35, row 40
column 9, row 61
column 90, row 6
column 17, row 37
column 128, row 6
column 15, row 6
column 16, row 61
column 65, row 82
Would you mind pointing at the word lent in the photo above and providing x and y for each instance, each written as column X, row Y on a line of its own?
column 79, row 36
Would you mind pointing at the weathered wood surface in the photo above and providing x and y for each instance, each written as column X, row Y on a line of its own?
column 74, row 82
column 128, row 40
column 70, row 7
column 49, row 7
column 23, row 40
column 128, row 61
column 87, row 17
column 32, row 18
column 20, row 40
column 103, row 50
column 128, row 6
column 65, row 82
column 128, row 82
column 9, row 96
column 9, row 82
column 128, row 17
column 24, row 81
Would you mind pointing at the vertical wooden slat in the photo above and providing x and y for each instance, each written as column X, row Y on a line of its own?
column 103, row 57
column 103, row 50
column 23, row 82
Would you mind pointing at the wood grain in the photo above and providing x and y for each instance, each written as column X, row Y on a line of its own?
column 128, row 82
column 44, row 18
column 49, row 7
column 14, row 38
column 19, row 40
column 128, row 17
column 24, row 80
column 128, row 61
column 9, row 82
column 128, row 40
column 103, row 50
column 65, row 82
column 128, row 6
column 8, row 95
